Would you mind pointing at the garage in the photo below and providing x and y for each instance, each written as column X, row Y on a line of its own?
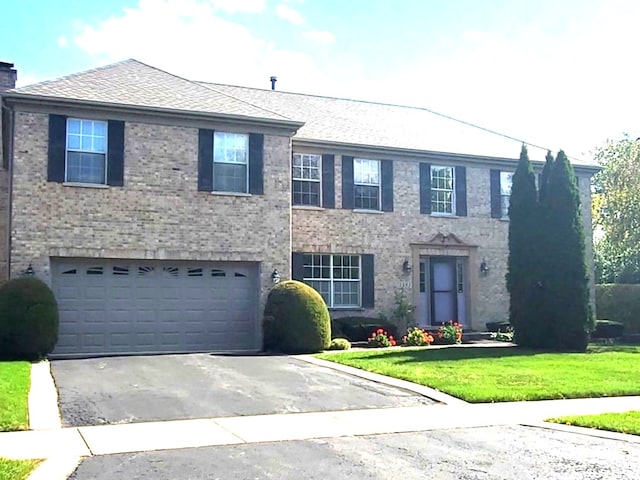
column 148, row 306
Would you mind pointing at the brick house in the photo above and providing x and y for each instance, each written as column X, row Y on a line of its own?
column 159, row 209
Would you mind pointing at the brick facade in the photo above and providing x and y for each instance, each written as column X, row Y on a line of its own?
column 158, row 214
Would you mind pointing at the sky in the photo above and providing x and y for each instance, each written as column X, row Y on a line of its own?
column 553, row 73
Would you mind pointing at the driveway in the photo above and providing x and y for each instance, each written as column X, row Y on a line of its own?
column 507, row 452
column 171, row 387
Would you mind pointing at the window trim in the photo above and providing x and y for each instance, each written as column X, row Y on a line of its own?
column 453, row 212
column 378, row 185
column 331, row 279
column 246, row 163
column 67, row 149
column 318, row 181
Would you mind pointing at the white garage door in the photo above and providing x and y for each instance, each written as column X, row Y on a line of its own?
column 125, row 306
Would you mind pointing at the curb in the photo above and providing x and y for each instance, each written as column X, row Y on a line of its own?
column 589, row 432
column 43, row 399
column 55, row 468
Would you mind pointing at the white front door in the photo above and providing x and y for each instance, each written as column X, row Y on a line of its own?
column 444, row 302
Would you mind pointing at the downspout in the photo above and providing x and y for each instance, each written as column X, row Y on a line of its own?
column 9, row 154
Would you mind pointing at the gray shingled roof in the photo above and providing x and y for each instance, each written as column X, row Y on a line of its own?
column 367, row 123
column 133, row 83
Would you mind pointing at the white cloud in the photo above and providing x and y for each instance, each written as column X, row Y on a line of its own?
column 200, row 45
column 245, row 6
column 320, row 36
column 289, row 14
column 62, row 42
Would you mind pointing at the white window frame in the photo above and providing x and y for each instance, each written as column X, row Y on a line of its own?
column 92, row 151
column 362, row 168
column 302, row 157
column 452, row 190
column 217, row 141
column 331, row 281
column 505, row 192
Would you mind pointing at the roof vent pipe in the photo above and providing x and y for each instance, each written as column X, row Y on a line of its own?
column 273, row 82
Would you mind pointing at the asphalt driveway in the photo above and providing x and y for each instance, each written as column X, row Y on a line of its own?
column 487, row 453
column 170, row 387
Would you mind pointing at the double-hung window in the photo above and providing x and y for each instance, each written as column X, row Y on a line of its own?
column 336, row 277
column 506, row 180
column 443, row 190
column 230, row 162
column 86, row 151
column 306, row 174
column 366, row 184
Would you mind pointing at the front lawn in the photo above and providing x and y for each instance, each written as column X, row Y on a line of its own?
column 14, row 393
column 626, row 422
column 506, row 374
column 17, row 469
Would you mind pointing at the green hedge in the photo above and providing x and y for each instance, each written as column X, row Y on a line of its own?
column 620, row 303
column 359, row 329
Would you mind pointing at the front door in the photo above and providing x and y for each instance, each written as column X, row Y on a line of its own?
column 444, row 292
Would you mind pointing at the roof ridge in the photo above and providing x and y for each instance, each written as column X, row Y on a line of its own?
column 396, row 105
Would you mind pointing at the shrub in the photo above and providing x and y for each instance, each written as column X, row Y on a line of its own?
column 619, row 303
column 608, row 329
column 358, row 329
column 498, row 326
column 381, row 339
column 296, row 319
column 339, row 344
column 28, row 319
column 450, row 332
column 417, row 337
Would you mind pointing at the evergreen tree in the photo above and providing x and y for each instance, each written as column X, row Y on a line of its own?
column 565, row 284
column 544, row 177
column 521, row 274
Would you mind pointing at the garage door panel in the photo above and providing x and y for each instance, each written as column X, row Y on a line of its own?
column 123, row 306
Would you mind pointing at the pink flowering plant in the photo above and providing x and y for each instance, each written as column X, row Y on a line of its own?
column 380, row 339
column 450, row 332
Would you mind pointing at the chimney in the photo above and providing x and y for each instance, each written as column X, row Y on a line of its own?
column 8, row 76
column 273, row 82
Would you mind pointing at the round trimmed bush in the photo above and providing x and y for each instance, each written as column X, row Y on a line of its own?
column 340, row 344
column 296, row 319
column 28, row 319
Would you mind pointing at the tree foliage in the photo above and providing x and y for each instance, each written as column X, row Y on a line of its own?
column 522, row 275
column 616, row 212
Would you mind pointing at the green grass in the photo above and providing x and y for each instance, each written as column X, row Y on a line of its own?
column 14, row 392
column 506, row 374
column 16, row 469
column 627, row 422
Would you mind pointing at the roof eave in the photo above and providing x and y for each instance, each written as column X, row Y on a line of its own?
column 445, row 157
column 36, row 100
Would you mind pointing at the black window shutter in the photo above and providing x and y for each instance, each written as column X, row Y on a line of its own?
column 496, row 206
column 368, row 281
column 205, row 160
column 386, row 174
column 461, row 191
column 328, row 181
column 256, row 163
column 347, row 182
column 57, row 148
column 297, row 266
column 115, row 154
column 425, row 188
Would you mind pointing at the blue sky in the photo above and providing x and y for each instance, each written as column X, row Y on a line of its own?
column 559, row 74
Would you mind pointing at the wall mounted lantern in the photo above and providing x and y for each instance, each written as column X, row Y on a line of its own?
column 484, row 268
column 275, row 277
column 406, row 268
column 29, row 272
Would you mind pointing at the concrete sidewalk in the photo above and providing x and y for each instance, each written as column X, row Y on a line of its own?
column 65, row 446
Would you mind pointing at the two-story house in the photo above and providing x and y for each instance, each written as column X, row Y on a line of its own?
column 161, row 210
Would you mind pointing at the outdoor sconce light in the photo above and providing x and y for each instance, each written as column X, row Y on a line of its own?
column 484, row 268
column 406, row 268
column 29, row 272
column 275, row 277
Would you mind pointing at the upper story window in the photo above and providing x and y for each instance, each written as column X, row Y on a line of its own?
column 366, row 184
column 306, row 174
column 443, row 190
column 506, row 180
column 230, row 162
column 86, row 152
